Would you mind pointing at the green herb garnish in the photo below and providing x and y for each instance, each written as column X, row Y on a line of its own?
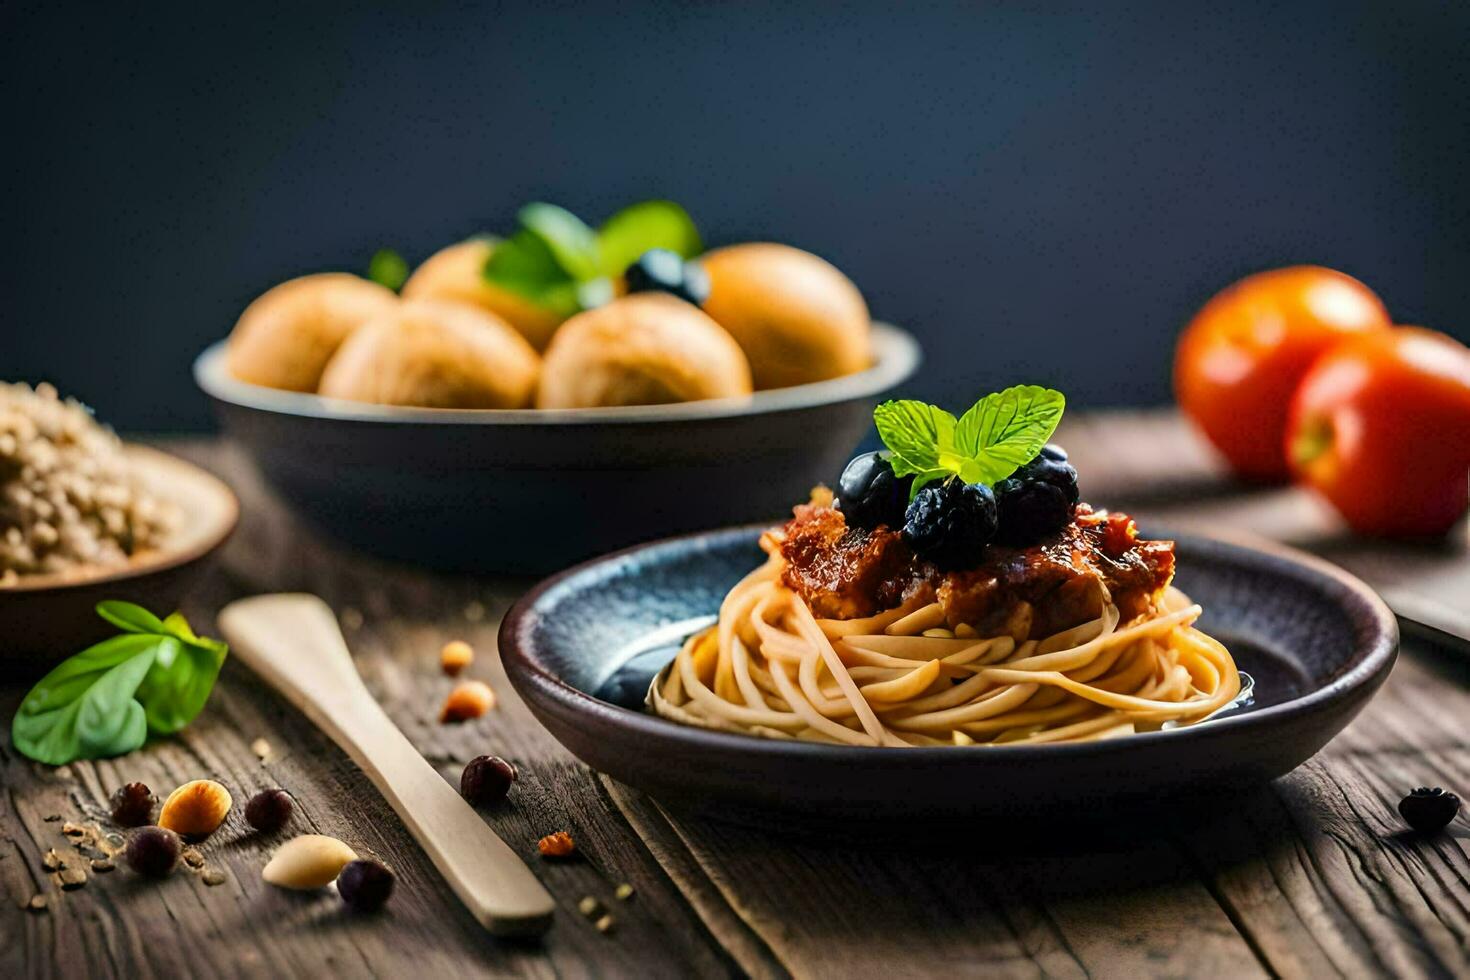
column 388, row 268
column 557, row 261
column 999, row 434
column 106, row 700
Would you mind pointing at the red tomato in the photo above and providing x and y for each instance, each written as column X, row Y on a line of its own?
column 1241, row 357
column 1381, row 428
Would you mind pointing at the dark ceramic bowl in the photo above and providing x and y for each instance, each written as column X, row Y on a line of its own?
column 533, row 491
column 581, row 647
column 46, row 618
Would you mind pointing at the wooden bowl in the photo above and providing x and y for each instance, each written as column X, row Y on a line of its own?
column 530, row 491
column 47, row 617
column 581, row 648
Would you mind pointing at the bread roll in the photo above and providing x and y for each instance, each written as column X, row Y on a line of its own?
column 434, row 354
column 646, row 349
column 285, row 338
column 455, row 273
column 796, row 317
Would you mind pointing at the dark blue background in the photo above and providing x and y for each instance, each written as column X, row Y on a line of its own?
column 1040, row 194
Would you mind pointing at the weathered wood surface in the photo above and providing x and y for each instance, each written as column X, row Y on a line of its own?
column 1308, row 877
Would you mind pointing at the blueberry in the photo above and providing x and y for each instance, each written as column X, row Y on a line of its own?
column 950, row 523
column 1038, row 499
column 1429, row 810
column 659, row 270
column 869, row 494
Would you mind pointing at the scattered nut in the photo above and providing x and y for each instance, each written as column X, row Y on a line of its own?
column 37, row 903
column 308, row 861
column 132, row 805
column 102, row 865
column 193, row 858
column 115, row 842
column 73, row 830
column 153, row 851
column 261, row 748
column 591, row 907
column 486, row 780
column 213, row 876
column 365, row 885
column 73, row 878
column 469, row 699
column 606, row 924
column 51, row 861
column 624, row 892
column 557, row 845
column 196, row 809
column 269, row 810
column 455, row 657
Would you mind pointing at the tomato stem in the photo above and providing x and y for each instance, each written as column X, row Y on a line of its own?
column 1313, row 439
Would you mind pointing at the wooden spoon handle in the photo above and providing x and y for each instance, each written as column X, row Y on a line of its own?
column 292, row 641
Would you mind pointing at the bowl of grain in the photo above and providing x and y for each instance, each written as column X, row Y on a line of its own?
column 85, row 517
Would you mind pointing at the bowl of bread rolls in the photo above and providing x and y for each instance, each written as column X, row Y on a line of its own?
column 519, row 404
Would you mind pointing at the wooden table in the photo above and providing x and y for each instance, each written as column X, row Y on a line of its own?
column 1309, row 877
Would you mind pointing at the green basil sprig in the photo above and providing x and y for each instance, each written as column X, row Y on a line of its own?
column 106, row 700
column 999, row 434
column 557, row 261
column 388, row 268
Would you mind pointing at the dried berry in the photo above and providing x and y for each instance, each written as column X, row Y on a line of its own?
column 153, row 851
column 196, row 809
column 365, row 885
column 486, row 780
column 1429, row 810
column 469, row 699
column 557, row 845
column 132, row 805
column 269, row 810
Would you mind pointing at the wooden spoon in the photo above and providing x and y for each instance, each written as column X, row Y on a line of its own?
column 293, row 642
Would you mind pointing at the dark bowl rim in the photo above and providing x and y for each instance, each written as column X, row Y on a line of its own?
column 1375, row 636
column 156, row 563
column 898, row 355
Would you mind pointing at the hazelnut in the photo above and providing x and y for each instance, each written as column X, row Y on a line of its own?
column 153, row 851
column 365, row 885
column 469, row 699
column 455, row 657
column 557, row 845
column 486, row 780
column 196, row 809
column 132, row 805
column 269, row 810
column 308, row 861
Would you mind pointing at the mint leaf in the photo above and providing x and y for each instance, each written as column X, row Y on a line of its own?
column 921, row 438
column 640, row 227
column 567, row 236
column 525, row 264
column 388, row 268
column 104, row 701
column 1004, row 431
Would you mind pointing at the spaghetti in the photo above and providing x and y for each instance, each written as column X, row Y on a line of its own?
column 770, row 667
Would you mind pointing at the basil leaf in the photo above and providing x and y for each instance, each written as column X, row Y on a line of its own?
column 643, row 226
column 104, row 701
column 921, row 438
column 84, row 709
column 1004, row 431
column 128, row 617
column 573, row 244
column 176, row 689
column 388, row 268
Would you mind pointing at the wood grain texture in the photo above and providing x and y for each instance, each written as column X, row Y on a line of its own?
column 1308, row 877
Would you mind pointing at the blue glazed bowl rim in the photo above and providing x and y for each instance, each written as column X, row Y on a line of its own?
column 1375, row 648
column 897, row 356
